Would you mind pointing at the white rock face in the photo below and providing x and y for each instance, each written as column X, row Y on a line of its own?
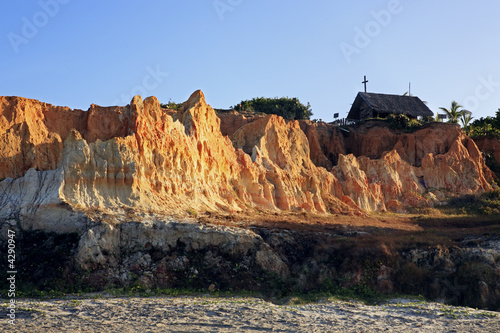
column 134, row 237
column 35, row 201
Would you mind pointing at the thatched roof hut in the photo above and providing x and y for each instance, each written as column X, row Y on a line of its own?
column 370, row 105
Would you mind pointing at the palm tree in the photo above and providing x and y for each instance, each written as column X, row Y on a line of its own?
column 466, row 118
column 454, row 112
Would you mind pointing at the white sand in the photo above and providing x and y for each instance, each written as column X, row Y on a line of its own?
column 240, row 314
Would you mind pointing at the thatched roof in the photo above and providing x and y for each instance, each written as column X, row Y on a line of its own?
column 369, row 105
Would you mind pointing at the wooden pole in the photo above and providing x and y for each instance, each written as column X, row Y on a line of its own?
column 365, row 82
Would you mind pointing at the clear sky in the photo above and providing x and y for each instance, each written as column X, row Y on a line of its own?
column 74, row 52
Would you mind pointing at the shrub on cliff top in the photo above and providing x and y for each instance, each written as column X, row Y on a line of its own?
column 401, row 121
column 288, row 108
column 171, row 105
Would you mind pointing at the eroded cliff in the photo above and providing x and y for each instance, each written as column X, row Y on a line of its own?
column 144, row 158
column 107, row 191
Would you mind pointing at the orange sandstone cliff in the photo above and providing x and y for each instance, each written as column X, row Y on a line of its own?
column 491, row 149
column 101, row 196
column 145, row 158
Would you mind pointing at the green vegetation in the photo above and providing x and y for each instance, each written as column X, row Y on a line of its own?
column 485, row 204
column 436, row 118
column 486, row 127
column 74, row 303
column 171, row 105
column 454, row 112
column 288, row 108
column 483, row 127
column 466, row 119
column 191, row 212
column 403, row 122
column 356, row 293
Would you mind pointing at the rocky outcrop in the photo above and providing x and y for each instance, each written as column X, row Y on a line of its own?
column 392, row 183
column 147, row 252
column 374, row 138
column 280, row 164
column 32, row 133
column 115, row 185
column 170, row 166
column 150, row 249
column 144, row 158
column 325, row 141
column 231, row 120
column 490, row 147
column 25, row 140
column 155, row 164
column 389, row 169
column 460, row 170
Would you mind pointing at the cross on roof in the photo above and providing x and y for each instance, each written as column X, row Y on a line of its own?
column 365, row 82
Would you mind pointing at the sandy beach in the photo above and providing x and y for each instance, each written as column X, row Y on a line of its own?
column 240, row 314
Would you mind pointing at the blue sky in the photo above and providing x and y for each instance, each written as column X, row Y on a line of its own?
column 74, row 53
